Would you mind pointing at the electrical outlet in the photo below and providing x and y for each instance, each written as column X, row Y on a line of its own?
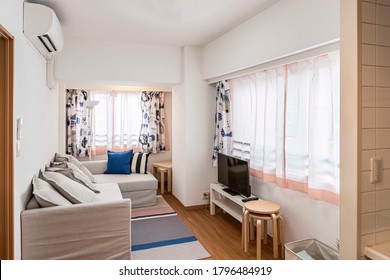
column 205, row 195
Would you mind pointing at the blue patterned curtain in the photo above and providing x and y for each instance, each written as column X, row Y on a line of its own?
column 152, row 135
column 78, row 132
column 223, row 120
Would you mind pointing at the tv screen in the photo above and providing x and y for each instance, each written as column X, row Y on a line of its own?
column 234, row 174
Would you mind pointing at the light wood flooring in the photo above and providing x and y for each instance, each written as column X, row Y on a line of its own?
column 219, row 234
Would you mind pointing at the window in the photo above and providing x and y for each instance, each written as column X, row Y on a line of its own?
column 241, row 115
column 117, row 120
column 289, row 116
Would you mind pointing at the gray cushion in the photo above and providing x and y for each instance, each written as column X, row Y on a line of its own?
column 71, row 190
column 33, row 203
column 46, row 195
column 71, row 171
column 129, row 183
column 78, row 164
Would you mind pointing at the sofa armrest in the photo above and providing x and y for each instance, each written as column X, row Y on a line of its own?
column 96, row 166
column 100, row 230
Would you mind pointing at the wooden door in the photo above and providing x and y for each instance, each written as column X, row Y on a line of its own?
column 6, row 145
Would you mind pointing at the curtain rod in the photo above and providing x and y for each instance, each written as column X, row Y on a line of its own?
column 307, row 53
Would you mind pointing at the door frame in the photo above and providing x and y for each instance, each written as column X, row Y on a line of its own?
column 6, row 139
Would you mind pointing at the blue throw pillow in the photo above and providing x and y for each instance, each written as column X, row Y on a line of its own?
column 119, row 163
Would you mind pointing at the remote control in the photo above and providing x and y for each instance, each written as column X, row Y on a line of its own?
column 249, row 199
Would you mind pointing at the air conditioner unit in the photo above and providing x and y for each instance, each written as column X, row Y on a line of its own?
column 42, row 28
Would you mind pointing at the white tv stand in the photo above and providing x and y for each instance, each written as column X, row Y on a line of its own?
column 231, row 204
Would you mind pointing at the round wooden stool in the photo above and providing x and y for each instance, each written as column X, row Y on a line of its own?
column 261, row 211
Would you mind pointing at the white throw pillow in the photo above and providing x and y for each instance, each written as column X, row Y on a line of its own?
column 78, row 164
column 46, row 195
column 71, row 190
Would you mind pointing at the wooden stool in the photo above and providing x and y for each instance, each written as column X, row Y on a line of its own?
column 162, row 172
column 262, row 211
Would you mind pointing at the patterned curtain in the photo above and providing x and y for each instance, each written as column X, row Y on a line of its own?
column 78, row 132
column 223, row 119
column 152, row 135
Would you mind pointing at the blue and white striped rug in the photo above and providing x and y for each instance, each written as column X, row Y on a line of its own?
column 158, row 233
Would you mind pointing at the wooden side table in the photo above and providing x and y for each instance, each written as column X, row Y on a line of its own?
column 162, row 167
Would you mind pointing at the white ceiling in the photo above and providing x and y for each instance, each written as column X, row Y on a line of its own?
column 162, row 22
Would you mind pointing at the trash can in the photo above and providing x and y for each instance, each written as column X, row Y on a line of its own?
column 309, row 249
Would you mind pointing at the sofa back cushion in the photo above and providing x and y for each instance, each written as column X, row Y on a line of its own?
column 71, row 190
column 46, row 195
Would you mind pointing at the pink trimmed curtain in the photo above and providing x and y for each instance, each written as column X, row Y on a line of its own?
column 294, row 123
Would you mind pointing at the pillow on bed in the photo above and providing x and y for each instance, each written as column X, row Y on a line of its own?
column 46, row 195
column 118, row 162
column 71, row 190
column 68, row 158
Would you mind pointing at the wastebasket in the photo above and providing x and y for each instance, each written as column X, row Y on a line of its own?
column 309, row 249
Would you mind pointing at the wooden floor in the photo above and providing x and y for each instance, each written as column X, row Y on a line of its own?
column 219, row 234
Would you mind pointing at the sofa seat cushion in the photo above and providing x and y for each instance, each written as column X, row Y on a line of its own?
column 129, row 183
column 109, row 191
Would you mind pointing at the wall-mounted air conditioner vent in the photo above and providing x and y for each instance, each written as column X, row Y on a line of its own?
column 42, row 28
column 48, row 43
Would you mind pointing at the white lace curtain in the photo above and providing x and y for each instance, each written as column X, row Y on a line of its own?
column 117, row 121
column 290, row 116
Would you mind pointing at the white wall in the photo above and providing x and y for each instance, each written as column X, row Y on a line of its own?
column 179, row 154
column 350, row 159
column 193, row 126
column 285, row 28
column 35, row 104
column 108, row 63
column 303, row 217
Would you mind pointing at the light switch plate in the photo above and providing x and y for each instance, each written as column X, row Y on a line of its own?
column 19, row 123
column 17, row 149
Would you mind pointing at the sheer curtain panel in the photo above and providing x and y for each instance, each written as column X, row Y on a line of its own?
column 313, row 127
column 290, row 116
column 117, row 120
column 244, row 90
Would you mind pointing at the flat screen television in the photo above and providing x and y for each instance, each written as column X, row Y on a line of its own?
column 233, row 173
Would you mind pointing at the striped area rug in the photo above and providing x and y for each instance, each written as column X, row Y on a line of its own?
column 158, row 233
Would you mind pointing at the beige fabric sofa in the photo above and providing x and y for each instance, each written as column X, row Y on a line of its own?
column 94, row 231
